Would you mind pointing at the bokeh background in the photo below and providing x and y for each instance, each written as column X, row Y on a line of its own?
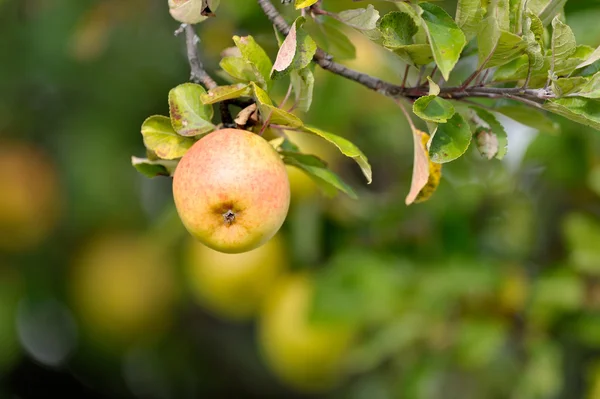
column 489, row 290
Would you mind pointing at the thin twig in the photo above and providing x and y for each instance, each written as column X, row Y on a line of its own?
column 420, row 77
column 405, row 76
column 198, row 74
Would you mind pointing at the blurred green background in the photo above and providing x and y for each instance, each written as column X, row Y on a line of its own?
column 489, row 290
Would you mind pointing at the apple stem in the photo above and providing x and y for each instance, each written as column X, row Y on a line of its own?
column 229, row 217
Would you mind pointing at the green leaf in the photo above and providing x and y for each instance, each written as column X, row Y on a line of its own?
column 239, row 69
column 303, row 82
column 254, row 55
column 492, row 141
column 546, row 9
column 500, row 11
column 434, row 89
column 417, row 54
column 360, row 18
column 451, row 140
column 304, row 3
column 530, row 117
column 497, row 47
column 329, row 37
column 316, row 169
column 271, row 113
column 563, row 42
column 433, row 109
column 222, row 93
column 469, row 16
column 595, row 56
column 446, row 39
column 154, row 168
column 296, row 51
column 591, row 89
column 582, row 110
column 189, row 116
column 347, row 148
column 534, row 47
column 563, row 86
column 397, row 29
column 160, row 137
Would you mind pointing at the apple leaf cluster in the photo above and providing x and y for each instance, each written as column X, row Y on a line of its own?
column 524, row 55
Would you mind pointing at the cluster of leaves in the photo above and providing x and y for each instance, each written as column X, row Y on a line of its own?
column 251, row 74
column 527, row 46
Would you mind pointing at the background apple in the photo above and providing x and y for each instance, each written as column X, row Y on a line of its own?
column 234, row 286
column 231, row 190
column 305, row 355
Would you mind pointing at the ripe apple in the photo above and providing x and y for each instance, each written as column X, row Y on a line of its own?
column 30, row 197
column 122, row 289
column 234, row 286
column 307, row 356
column 231, row 190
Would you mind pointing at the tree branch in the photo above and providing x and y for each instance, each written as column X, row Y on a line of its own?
column 530, row 97
column 198, row 74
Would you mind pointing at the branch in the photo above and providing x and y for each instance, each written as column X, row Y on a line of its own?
column 527, row 96
column 198, row 73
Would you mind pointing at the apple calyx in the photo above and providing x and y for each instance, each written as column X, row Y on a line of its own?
column 229, row 217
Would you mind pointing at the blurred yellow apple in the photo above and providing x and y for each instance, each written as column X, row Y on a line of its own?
column 233, row 286
column 305, row 355
column 122, row 288
column 30, row 197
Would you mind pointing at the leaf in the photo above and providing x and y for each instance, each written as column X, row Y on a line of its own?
column 546, row 10
column 497, row 47
column 493, row 141
column 446, row 39
column 563, row 86
column 469, row 16
column 582, row 234
column 304, row 3
column 433, row 109
column 316, row 169
column 421, row 166
column 582, row 110
column 451, row 140
column 242, row 117
column 160, row 137
column 271, row 113
column 434, row 89
column 361, row 18
column 256, row 56
column 296, row 51
column 303, row 82
column 329, row 37
column 154, row 168
column 435, row 175
column 530, row 117
column 222, row 93
column 189, row 116
column 397, row 29
column 534, row 47
column 239, row 69
column 418, row 54
column 591, row 89
column 595, row 56
column 500, row 11
column 563, row 41
column 347, row 148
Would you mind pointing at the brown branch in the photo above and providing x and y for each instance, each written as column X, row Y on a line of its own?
column 530, row 97
column 199, row 75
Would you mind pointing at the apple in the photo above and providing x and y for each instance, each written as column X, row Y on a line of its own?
column 231, row 190
column 305, row 355
column 30, row 200
column 233, row 286
column 191, row 11
column 122, row 289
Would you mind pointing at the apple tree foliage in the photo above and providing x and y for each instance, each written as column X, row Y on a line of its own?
column 523, row 55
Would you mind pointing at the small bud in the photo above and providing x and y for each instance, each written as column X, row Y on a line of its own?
column 192, row 11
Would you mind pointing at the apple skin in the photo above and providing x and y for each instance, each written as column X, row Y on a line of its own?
column 231, row 191
column 306, row 356
column 233, row 286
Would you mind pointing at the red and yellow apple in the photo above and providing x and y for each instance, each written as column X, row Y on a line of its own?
column 231, row 190
column 306, row 355
column 233, row 286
